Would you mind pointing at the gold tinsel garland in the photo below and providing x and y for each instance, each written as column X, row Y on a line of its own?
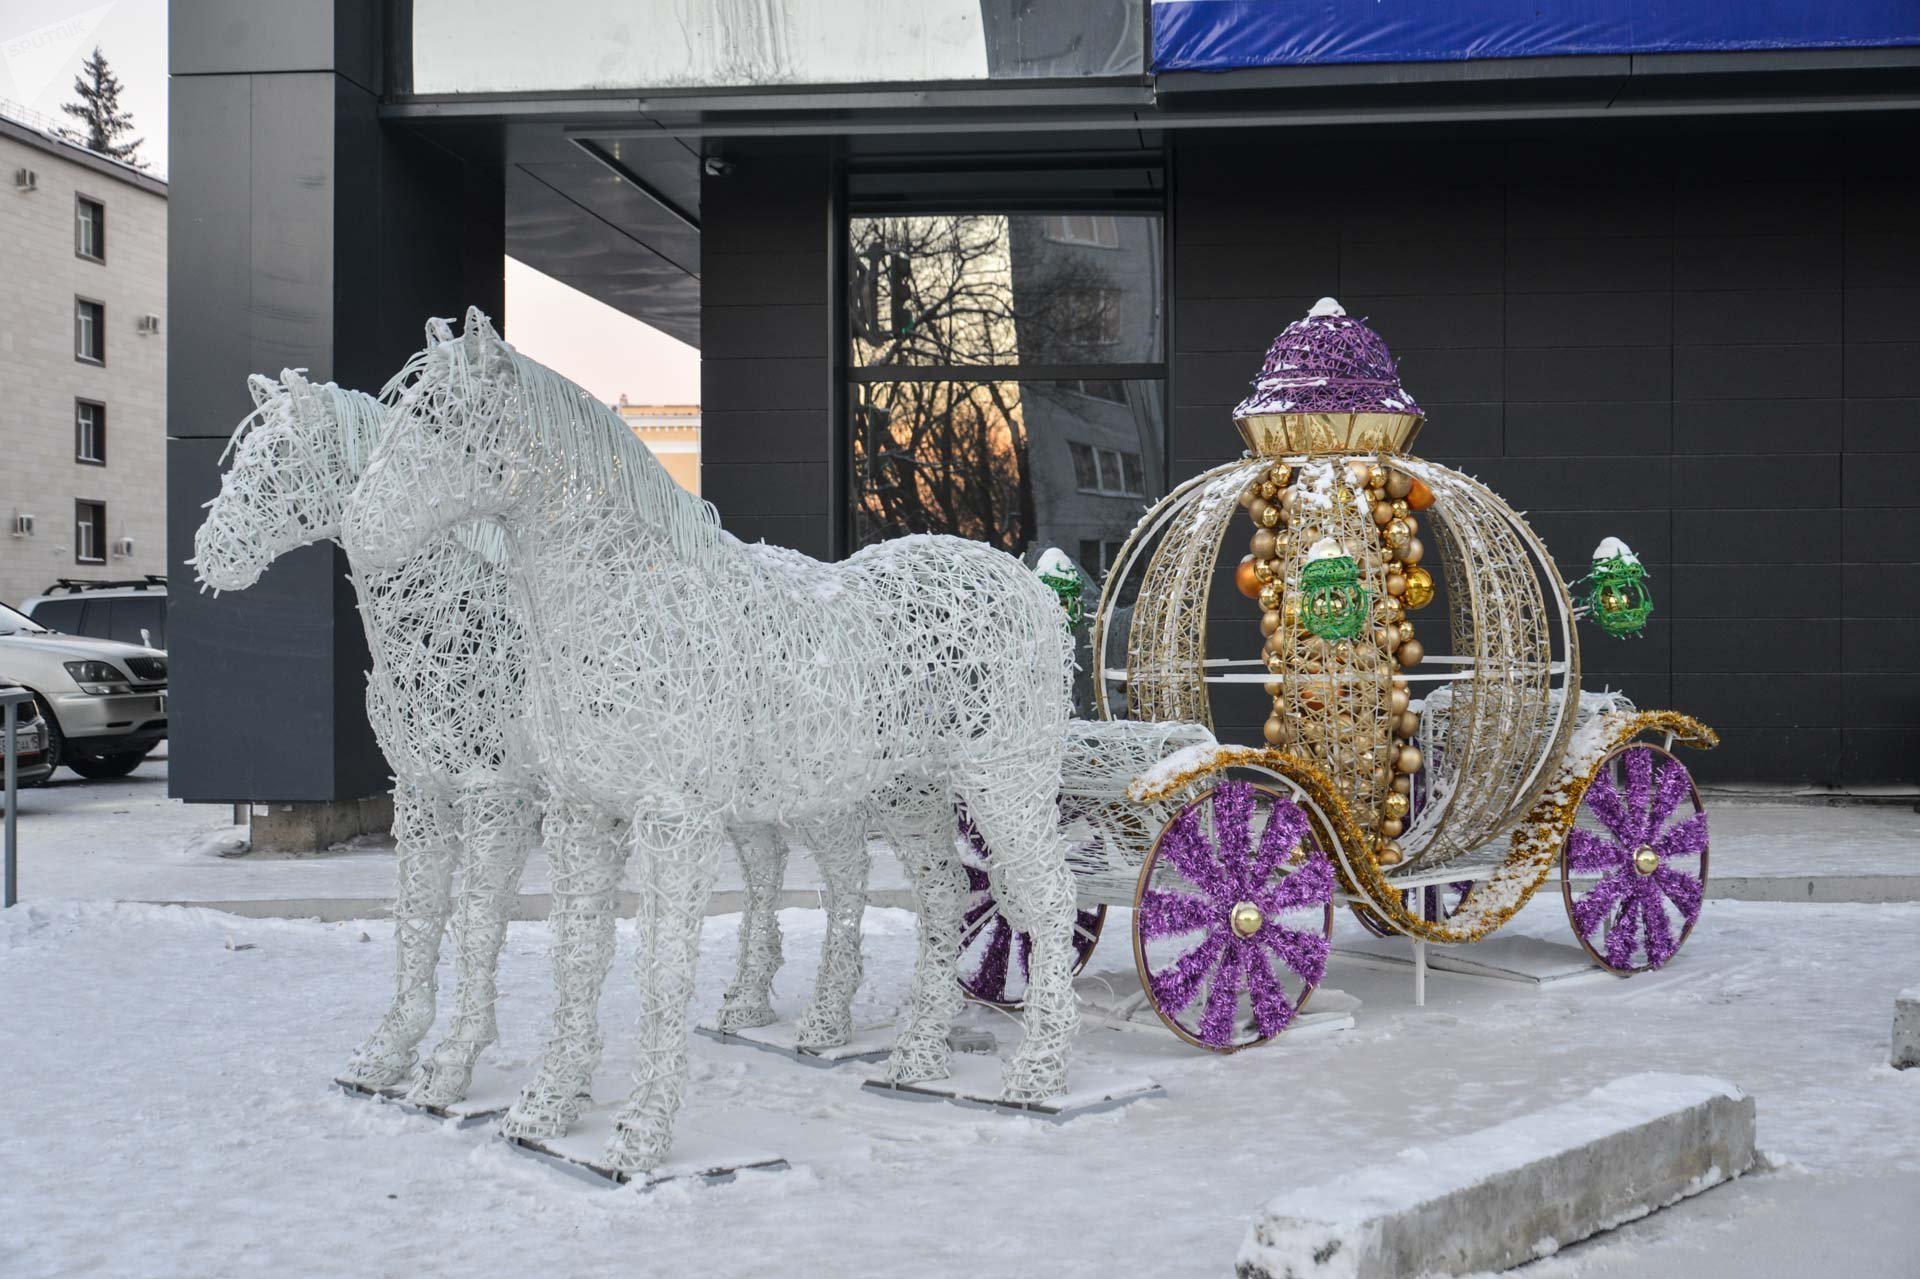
column 1536, row 841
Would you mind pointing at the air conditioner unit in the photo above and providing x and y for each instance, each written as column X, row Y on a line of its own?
column 23, row 526
column 149, row 323
column 25, row 180
column 123, row 548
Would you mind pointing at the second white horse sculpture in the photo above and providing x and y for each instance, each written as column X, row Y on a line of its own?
column 682, row 683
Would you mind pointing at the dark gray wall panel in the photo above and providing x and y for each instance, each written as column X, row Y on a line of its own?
column 1714, row 357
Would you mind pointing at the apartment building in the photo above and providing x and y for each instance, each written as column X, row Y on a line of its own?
column 83, row 363
column 672, row 432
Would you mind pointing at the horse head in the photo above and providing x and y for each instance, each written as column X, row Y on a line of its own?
column 295, row 460
column 454, row 450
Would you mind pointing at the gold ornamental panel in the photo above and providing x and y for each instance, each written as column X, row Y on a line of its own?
column 1280, row 435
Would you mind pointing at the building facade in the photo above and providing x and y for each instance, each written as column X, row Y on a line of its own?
column 1006, row 274
column 672, row 433
column 83, row 364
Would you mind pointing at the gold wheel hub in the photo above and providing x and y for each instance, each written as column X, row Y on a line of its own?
column 1247, row 919
column 1645, row 860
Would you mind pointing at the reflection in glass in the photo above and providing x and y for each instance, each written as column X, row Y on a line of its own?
column 1005, row 289
column 1014, row 464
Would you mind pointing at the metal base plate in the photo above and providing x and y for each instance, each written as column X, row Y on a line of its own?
column 493, row 1092
column 869, row 1044
column 975, row 1082
column 697, row 1155
column 1523, row 959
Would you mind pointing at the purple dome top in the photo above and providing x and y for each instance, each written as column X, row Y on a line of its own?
column 1328, row 362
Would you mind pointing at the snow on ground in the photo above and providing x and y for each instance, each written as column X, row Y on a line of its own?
column 167, row 1112
column 127, row 840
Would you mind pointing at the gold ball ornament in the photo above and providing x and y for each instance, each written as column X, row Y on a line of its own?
column 1397, row 584
column 1269, row 621
column 1266, row 515
column 1277, row 663
column 1408, row 760
column 1413, row 552
column 1399, row 509
column 1274, row 688
column 1396, row 805
column 1247, row 919
column 1398, row 700
column 1645, row 860
column 1405, row 631
column 1274, row 730
column 1419, row 587
column 1249, row 494
column 1262, row 544
column 1418, row 495
column 1269, row 595
column 1397, row 534
column 1392, row 827
column 1382, row 514
column 1280, row 473
column 1266, row 570
column 1411, row 653
column 1388, row 854
column 1399, row 484
column 1408, row 725
column 1376, row 476
column 1246, row 576
column 1404, row 785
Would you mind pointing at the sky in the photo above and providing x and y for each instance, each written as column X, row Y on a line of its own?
column 42, row 43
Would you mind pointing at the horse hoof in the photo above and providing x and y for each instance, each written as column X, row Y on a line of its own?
column 826, row 1030
column 637, row 1148
column 1033, row 1082
column 377, row 1070
column 544, row 1112
column 745, row 1016
column 910, row 1066
column 441, row 1084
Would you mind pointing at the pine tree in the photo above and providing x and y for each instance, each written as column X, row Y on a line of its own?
column 105, row 125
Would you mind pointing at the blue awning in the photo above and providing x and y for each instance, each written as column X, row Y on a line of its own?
column 1219, row 35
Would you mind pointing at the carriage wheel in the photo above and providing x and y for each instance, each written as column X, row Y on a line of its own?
column 1435, row 903
column 1233, row 913
column 993, row 954
column 1633, row 871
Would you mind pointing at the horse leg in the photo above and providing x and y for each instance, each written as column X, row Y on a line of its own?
column 501, row 825
column 1014, row 807
column 922, row 832
column 682, row 856
column 840, row 849
column 585, row 854
column 424, row 829
column 763, row 864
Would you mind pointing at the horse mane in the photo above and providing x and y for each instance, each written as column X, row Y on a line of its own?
column 596, row 446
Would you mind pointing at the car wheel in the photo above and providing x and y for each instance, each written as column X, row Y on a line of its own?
column 97, row 767
column 56, row 745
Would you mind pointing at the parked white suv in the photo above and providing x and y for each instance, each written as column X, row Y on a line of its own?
column 105, row 702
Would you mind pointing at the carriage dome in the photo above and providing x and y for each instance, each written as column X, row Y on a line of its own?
column 1328, row 384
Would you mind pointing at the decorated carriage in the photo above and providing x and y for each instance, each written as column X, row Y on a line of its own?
column 1433, row 794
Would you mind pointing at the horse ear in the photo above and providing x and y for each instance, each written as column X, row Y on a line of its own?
column 262, row 388
column 481, row 337
column 439, row 331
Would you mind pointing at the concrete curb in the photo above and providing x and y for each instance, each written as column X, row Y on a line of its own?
column 1906, row 1029
column 1504, row 1195
column 1814, row 888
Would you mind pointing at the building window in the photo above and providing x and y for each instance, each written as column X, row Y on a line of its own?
column 90, row 532
column 1007, row 375
column 1095, row 230
column 90, row 432
column 1097, row 555
column 89, row 331
column 1109, row 472
column 90, row 229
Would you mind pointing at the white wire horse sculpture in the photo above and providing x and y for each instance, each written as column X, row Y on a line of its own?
column 447, row 688
column 447, row 684
column 683, row 682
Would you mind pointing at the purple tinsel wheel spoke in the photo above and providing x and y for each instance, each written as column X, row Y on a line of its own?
column 1166, row 914
column 1638, row 764
column 1272, row 1010
column 1590, row 910
column 1286, row 827
column 1175, row 985
column 1682, row 889
column 1223, row 999
column 1305, row 953
column 983, row 906
column 1311, row 885
column 1603, row 801
column 1684, row 839
column 1673, row 786
column 1625, row 931
column 1589, row 853
column 1185, row 845
column 1023, row 949
column 1660, row 940
column 1232, row 813
column 991, row 974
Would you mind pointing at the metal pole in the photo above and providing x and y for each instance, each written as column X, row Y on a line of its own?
column 10, row 891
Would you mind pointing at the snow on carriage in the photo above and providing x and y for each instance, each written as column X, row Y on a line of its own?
column 1433, row 794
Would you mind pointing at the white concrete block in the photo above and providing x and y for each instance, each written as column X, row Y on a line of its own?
column 1906, row 1028
column 1521, row 1189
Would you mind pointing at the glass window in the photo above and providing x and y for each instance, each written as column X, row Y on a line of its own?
column 90, row 228
column 1008, row 376
column 90, row 532
column 90, row 432
column 89, row 331
column 59, row 615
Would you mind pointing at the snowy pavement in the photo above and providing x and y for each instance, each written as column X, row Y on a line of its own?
column 127, row 841
column 167, row 1112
